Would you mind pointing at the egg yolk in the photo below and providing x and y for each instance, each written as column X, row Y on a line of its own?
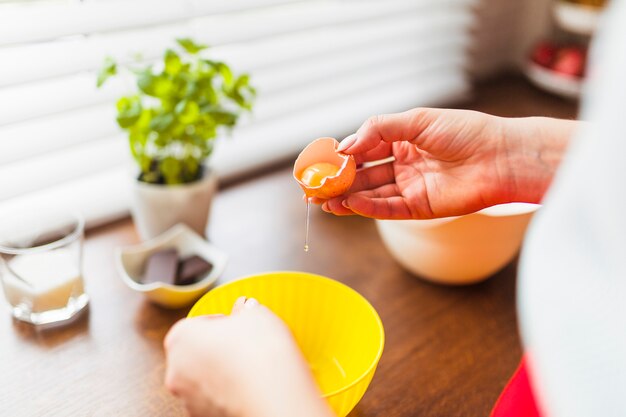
column 316, row 173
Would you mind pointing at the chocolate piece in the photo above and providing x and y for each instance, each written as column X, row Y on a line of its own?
column 161, row 266
column 191, row 270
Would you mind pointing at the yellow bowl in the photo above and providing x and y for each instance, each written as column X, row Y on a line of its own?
column 338, row 330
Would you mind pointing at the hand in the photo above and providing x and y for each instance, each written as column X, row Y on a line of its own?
column 449, row 163
column 243, row 365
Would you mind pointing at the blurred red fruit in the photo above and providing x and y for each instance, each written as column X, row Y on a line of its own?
column 570, row 61
column 544, row 54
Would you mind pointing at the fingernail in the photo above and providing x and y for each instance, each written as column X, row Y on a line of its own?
column 345, row 204
column 325, row 207
column 346, row 143
column 251, row 303
column 239, row 302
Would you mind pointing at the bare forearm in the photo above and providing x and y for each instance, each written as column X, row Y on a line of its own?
column 533, row 149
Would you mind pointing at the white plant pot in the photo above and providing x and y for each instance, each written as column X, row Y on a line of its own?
column 458, row 250
column 156, row 208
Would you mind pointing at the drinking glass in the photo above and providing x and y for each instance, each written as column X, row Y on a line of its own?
column 41, row 265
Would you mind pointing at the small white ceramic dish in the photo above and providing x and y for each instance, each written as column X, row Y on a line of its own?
column 131, row 263
column 458, row 250
column 552, row 81
column 577, row 18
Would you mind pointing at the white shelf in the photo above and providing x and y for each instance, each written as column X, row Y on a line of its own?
column 576, row 18
column 554, row 82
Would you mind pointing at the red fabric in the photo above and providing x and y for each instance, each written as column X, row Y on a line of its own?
column 517, row 399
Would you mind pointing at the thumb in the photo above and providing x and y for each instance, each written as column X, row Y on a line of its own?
column 405, row 126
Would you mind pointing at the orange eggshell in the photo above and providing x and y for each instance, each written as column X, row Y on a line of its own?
column 325, row 150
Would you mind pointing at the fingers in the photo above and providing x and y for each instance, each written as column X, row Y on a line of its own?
column 171, row 334
column 244, row 303
column 182, row 325
column 367, row 179
column 372, row 178
column 384, row 202
column 342, row 206
column 394, row 208
column 380, row 151
column 336, row 207
column 238, row 306
column 406, row 126
column 384, row 191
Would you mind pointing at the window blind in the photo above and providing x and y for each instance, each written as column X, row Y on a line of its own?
column 321, row 67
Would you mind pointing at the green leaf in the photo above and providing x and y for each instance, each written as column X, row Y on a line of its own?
column 162, row 140
column 207, row 149
column 226, row 73
column 144, row 121
column 187, row 111
column 206, row 129
column 178, row 130
column 190, row 46
column 224, row 118
column 242, row 81
column 145, row 163
column 191, row 166
column 208, row 93
column 243, row 86
column 163, row 87
column 128, row 111
column 146, row 81
column 171, row 169
column 172, row 61
column 108, row 69
column 161, row 122
column 191, row 89
column 155, row 85
column 150, row 171
column 239, row 99
column 137, row 140
column 241, row 92
column 223, row 69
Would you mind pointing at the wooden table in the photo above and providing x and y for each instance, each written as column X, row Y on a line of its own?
column 449, row 351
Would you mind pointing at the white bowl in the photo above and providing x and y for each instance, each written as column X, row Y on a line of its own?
column 554, row 82
column 131, row 263
column 458, row 250
column 577, row 18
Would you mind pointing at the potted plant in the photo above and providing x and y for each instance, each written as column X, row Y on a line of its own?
column 179, row 108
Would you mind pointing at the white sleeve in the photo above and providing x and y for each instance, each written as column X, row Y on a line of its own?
column 572, row 286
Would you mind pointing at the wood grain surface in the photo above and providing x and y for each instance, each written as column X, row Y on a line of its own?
column 449, row 350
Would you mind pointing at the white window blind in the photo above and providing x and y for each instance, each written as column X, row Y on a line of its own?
column 321, row 67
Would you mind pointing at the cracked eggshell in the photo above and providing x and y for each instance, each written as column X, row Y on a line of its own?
column 325, row 150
